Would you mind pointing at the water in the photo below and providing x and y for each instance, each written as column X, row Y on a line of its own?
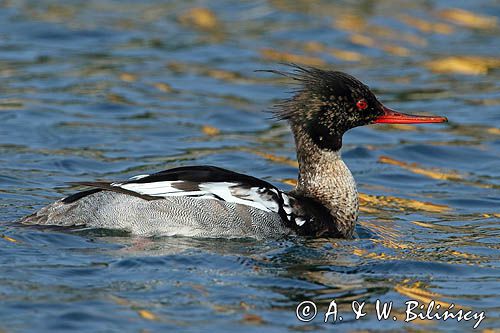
column 106, row 90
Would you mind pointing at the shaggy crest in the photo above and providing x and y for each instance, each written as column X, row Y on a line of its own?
column 318, row 86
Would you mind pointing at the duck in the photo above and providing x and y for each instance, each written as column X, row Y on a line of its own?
column 211, row 202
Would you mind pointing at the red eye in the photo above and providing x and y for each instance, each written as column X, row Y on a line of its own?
column 361, row 104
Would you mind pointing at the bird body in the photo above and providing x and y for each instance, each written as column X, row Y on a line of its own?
column 207, row 201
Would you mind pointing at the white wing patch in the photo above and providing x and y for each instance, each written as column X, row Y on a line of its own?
column 257, row 197
column 165, row 188
column 231, row 193
column 299, row 221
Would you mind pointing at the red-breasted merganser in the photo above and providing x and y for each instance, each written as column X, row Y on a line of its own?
column 207, row 201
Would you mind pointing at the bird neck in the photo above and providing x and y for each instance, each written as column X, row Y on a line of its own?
column 325, row 177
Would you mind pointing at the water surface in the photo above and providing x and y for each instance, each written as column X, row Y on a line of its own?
column 106, row 90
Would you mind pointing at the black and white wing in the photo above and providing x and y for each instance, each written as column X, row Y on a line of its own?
column 203, row 182
column 302, row 214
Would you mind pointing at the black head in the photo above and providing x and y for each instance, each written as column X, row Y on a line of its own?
column 329, row 103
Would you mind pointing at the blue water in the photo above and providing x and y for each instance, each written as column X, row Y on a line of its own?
column 106, row 90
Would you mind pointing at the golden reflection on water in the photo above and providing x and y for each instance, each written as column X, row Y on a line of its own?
column 473, row 65
column 279, row 56
column 202, row 18
column 413, row 167
column 427, row 26
column 468, row 19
